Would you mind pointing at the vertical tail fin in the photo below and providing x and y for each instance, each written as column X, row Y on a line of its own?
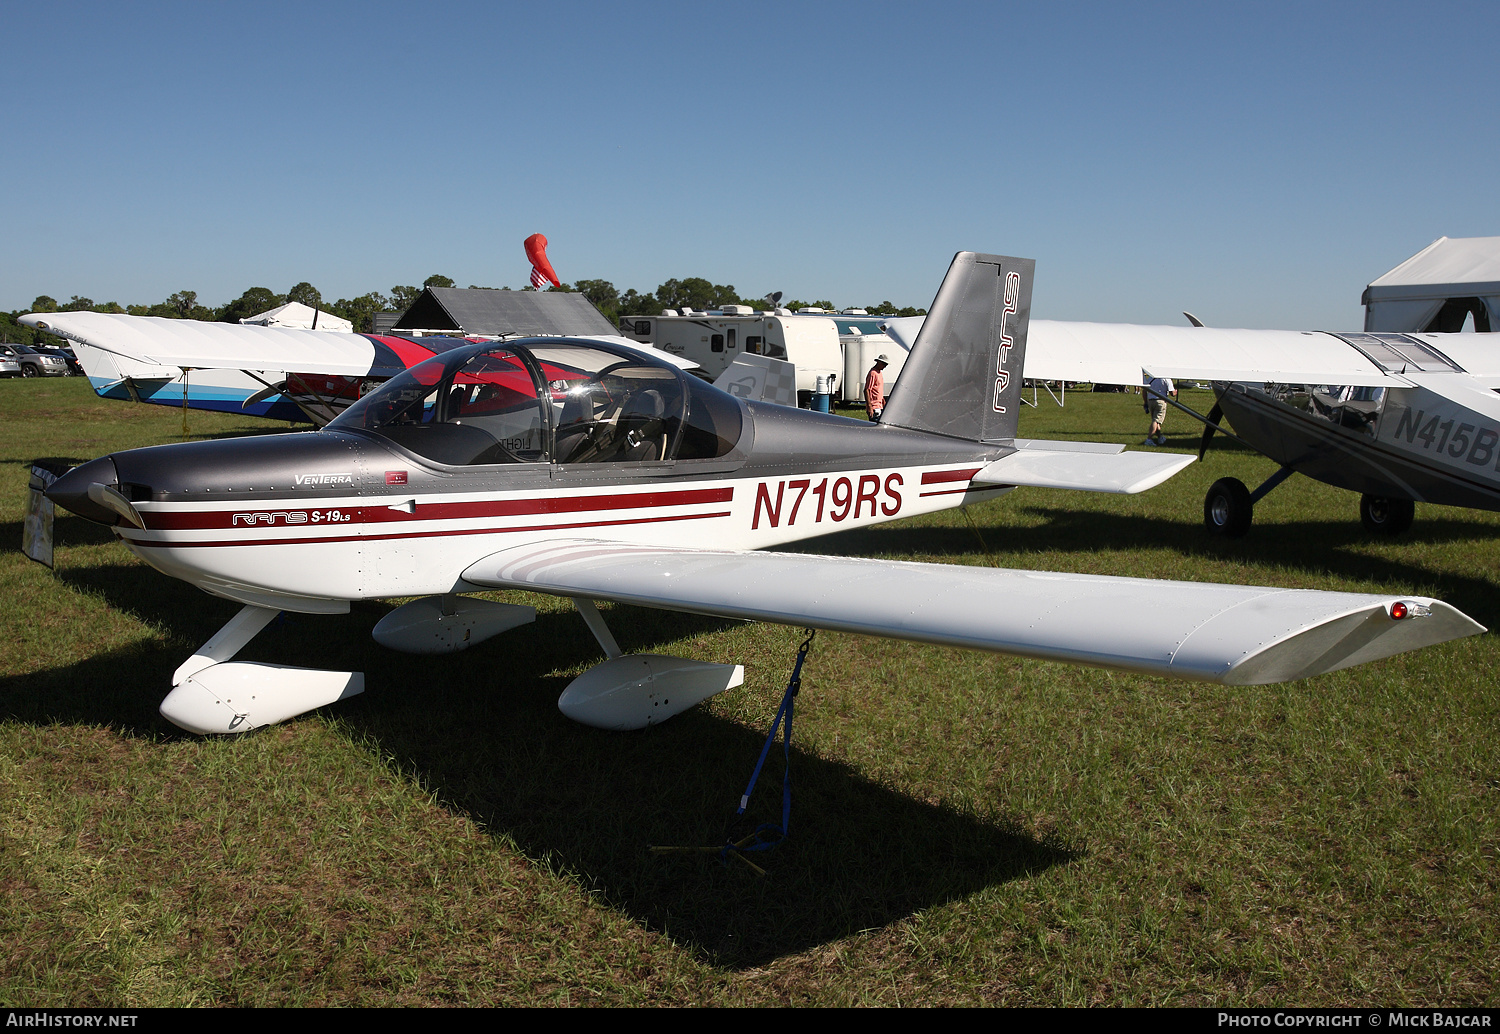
column 963, row 378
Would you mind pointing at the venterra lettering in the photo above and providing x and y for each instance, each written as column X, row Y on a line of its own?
column 325, row 479
column 812, row 500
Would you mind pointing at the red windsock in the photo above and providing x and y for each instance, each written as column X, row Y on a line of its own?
column 541, row 269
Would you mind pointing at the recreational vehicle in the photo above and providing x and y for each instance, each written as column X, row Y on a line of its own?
column 713, row 340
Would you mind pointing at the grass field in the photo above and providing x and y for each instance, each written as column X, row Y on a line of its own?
column 966, row 828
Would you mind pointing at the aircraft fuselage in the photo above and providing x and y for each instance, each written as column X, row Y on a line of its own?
column 296, row 520
column 1413, row 442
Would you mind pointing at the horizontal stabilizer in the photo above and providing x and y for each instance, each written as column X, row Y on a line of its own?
column 1056, row 445
column 1123, row 473
column 1230, row 634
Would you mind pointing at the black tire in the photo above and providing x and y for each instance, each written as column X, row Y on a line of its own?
column 1227, row 509
column 1385, row 516
column 27, row 370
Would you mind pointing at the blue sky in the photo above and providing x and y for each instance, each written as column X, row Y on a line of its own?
column 1257, row 164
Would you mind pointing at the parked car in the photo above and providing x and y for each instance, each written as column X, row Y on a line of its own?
column 9, row 367
column 75, row 369
column 35, row 363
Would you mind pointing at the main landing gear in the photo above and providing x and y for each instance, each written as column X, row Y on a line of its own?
column 1229, row 508
column 212, row 693
column 1386, row 516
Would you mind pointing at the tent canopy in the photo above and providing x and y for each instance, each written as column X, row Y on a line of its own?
column 1438, row 288
column 302, row 317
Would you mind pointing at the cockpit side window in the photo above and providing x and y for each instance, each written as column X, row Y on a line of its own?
column 574, row 402
column 494, row 394
column 626, row 412
column 1356, row 407
column 461, row 412
column 714, row 425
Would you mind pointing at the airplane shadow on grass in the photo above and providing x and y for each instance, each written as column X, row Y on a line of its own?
column 481, row 729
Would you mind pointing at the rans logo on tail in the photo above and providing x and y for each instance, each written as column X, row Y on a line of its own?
column 1002, row 375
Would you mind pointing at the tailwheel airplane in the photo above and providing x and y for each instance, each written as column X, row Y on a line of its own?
column 281, row 373
column 594, row 471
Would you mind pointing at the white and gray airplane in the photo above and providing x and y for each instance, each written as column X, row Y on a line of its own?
column 594, row 471
column 1399, row 418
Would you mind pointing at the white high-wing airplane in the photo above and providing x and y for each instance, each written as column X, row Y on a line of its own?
column 1399, row 418
column 288, row 373
column 596, row 471
column 282, row 373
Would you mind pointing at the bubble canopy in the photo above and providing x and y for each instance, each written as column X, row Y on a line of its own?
column 545, row 400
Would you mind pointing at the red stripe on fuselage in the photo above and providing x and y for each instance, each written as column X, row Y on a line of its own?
column 423, row 534
column 938, row 477
column 947, row 477
column 158, row 520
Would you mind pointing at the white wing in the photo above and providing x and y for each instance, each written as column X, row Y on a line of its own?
column 1117, row 353
column 147, row 346
column 174, row 344
column 1231, row 634
column 1478, row 354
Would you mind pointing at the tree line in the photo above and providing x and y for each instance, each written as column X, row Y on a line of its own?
column 692, row 292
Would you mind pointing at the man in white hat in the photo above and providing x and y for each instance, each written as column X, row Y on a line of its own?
column 875, row 388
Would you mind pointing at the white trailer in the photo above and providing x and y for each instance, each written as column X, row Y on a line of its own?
column 713, row 340
column 863, row 340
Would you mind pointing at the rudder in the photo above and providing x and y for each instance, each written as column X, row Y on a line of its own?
column 963, row 377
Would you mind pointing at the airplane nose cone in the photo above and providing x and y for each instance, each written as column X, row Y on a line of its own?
column 71, row 491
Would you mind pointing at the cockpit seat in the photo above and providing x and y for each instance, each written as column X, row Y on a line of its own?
column 578, row 430
column 642, row 430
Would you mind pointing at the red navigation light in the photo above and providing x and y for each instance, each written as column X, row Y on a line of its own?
column 1398, row 610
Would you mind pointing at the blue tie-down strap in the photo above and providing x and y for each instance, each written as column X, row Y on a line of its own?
column 768, row 835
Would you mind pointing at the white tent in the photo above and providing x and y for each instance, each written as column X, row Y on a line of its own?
column 303, row 317
column 1439, row 288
